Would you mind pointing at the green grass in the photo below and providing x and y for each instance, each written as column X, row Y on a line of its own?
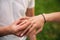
column 51, row 31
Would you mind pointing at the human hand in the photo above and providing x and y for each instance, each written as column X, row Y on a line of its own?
column 32, row 35
column 18, row 26
column 37, row 22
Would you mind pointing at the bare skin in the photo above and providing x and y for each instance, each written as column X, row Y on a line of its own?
column 53, row 17
column 38, row 21
column 15, row 28
column 30, row 13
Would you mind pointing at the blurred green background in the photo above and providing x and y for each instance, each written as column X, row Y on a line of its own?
column 51, row 31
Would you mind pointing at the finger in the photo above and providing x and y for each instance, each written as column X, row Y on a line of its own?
column 39, row 30
column 23, row 22
column 31, row 19
column 22, row 27
column 32, row 35
column 18, row 21
column 25, row 31
column 18, row 33
column 31, row 29
column 24, row 18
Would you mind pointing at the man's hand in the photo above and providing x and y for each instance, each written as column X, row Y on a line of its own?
column 18, row 26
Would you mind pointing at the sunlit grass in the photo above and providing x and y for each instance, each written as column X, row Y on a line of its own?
column 51, row 31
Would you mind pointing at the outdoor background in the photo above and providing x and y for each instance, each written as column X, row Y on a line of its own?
column 51, row 31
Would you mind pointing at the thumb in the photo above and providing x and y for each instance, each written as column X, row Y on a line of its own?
column 24, row 26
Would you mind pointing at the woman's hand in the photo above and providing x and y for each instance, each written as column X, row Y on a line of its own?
column 37, row 22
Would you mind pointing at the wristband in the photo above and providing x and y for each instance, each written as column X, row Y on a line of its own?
column 44, row 18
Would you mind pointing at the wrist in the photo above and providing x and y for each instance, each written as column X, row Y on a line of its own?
column 44, row 18
column 41, row 18
column 8, row 30
column 47, row 17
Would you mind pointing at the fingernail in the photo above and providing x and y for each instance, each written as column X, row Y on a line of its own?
column 21, row 34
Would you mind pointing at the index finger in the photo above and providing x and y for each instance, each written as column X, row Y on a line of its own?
column 26, row 30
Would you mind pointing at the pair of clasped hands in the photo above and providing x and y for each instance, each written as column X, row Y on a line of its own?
column 26, row 25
